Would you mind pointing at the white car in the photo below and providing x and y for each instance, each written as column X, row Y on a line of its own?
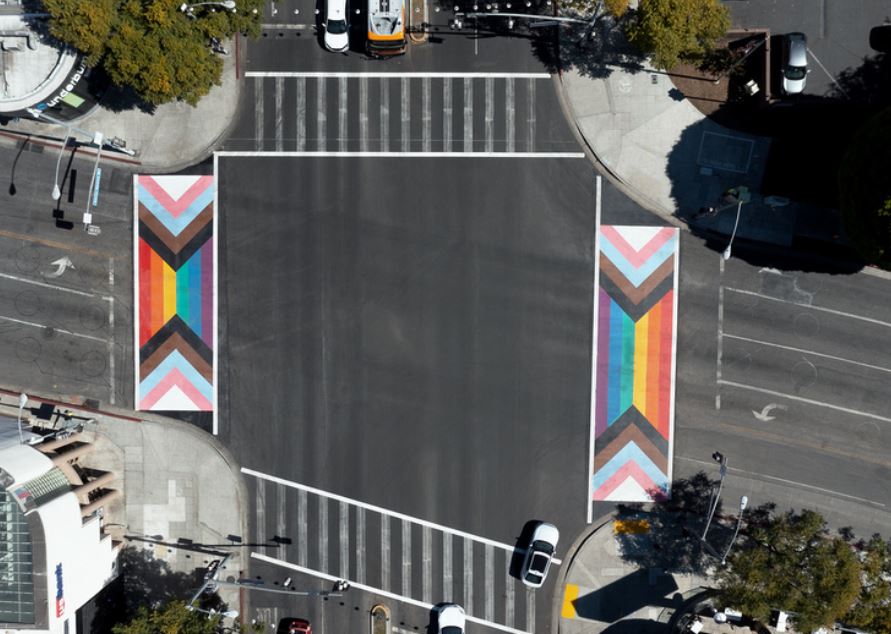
column 337, row 29
column 542, row 548
column 451, row 619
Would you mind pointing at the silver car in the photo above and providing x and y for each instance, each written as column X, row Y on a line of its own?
column 794, row 63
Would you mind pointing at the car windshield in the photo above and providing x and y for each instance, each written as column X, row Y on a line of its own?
column 337, row 26
column 532, row 576
column 451, row 630
column 796, row 73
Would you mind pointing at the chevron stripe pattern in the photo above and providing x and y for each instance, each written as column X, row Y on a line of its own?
column 176, row 285
column 635, row 337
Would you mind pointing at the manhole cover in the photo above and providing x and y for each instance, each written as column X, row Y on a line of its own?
column 27, row 349
column 27, row 303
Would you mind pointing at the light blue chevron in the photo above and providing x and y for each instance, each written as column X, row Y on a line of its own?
column 637, row 276
column 630, row 452
column 175, row 224
column 178, row 361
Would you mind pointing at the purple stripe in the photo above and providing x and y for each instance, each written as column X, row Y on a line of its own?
column 600, row 418
column 208, row 290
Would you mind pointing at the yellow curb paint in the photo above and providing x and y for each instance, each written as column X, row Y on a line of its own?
column 631, row 527
column 570, row 594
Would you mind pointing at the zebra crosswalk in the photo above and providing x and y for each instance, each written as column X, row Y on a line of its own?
column 389, row 112
column 391, row 554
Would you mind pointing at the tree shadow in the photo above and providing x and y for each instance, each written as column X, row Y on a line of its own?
column 590, row 50
column 144, row 581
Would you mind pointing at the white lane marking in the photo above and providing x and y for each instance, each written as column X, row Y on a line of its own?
column 385, row 551
column 323, row 533
column 302, row 527
column 592, row 422
column 509, row 113
column 489, row 604
column 426, row 561
column 405, row 111
column 789, row 482
column 406, row 557
column 344, row 525
column 804, row 351
column 261, row 511
column 508, row 596
column 720, row 337
column 55, row 287
column 530, row 118
column 317, row 75
column 447, row 115
column 468, row 574
column 258, row 114
column 831, row 311
column 490, row 114
column 468, row 114
column 800, row 399
column 321, row 116
column 530, row 607
column 301, row 114
column 531, row 155
column 385, row 115
column 279, row 114
column 426, row 114
column 447, row 568
column 384, row 512
column 342, row 104
column 281, row 524
column 378, row 591
column 363, row 114
column 111, row 346
column 32, row 324
column 360, row 545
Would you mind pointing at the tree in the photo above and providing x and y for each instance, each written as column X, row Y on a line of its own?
column 865, row 190
column 678, row 30
column 790, row 562
column 172, row 618
column 872, row 610
column 595, row 8
column 151, row 45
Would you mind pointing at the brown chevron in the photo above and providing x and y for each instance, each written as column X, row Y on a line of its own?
column 175, row 243
column 635, row 294
column 630, row 433
column 176, row 342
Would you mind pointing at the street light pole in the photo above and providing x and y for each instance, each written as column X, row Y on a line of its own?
column 713, row 504
column 57, row 192
column 726, row 254
column 23, row 400
column 743, row 502
column 98, row 141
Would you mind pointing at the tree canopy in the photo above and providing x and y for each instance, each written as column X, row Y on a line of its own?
column 172, row 618
column 791, row 562
column 865, row 190
column 678, row 30
column 152, row 46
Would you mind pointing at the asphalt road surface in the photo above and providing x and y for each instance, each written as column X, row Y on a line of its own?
column 66, row 330
column 428, row 354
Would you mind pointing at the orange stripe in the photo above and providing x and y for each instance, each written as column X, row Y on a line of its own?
column 157, row 293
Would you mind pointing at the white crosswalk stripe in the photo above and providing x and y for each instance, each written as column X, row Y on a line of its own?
column 430, row 113
column 427, row 569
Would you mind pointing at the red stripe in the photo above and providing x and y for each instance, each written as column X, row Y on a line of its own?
column 145, row 291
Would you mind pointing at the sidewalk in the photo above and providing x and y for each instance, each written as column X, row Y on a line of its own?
column 174, row 137
column 619, row 580
column 671, row 158
column 178, row 484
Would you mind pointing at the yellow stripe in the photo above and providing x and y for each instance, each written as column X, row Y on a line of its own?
column 169, row 292
column 570, row 594
column 641, row 332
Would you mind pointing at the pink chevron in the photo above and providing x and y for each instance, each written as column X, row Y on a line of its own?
column 175, row 378
column 634, row 257
column 628, row 470
column 175, row 207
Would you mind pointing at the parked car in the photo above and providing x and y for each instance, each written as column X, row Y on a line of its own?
column 294, row 626
column 337, row 29
column 794, row 63
column 451, row 619
column 880, row 38
column 539, row 554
